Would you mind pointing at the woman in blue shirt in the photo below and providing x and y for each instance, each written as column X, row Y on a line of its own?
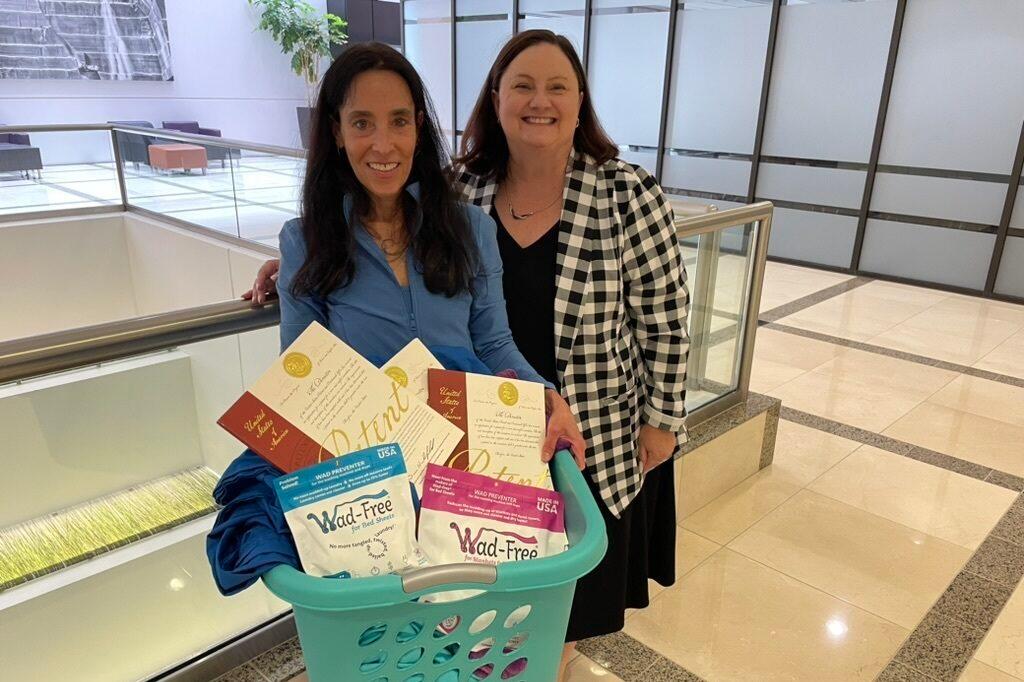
column 384, row 251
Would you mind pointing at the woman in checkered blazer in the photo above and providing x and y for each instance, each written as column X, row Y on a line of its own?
column 597, row 300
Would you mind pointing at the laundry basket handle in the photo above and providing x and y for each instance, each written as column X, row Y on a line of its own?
column 447, row 574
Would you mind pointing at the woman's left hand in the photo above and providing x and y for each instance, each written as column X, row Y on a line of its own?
column 656, row 446
column 562, row 426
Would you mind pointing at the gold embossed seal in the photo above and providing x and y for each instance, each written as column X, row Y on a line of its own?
column 298, row 365
column 508, row 393
column 398, row 375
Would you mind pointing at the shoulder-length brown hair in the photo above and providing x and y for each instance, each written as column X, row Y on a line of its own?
column 484, row 149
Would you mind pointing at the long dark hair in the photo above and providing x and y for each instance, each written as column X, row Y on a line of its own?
column 484, row 149
column 443, row 245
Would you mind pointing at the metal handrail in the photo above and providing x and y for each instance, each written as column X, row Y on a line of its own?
column 207, row 140
column 32, row 356
column 29, row 357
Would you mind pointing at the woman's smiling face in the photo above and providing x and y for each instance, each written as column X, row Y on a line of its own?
column 377, row 130
column 538, row 98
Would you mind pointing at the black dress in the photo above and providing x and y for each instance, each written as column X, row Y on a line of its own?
column 641, row 543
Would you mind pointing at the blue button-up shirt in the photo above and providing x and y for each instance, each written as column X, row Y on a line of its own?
column 377, row 317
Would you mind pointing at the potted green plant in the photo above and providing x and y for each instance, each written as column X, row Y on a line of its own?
column 305, row 35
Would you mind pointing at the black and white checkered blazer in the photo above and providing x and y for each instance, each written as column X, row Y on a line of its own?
column 620, row 314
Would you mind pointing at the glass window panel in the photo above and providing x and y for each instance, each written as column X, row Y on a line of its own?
column 1011, row 268
column 811, row 184
column 704, row 174
column 480, row 31
column 958, row 90
column 627, row 67
column 428, row 26
column 930, row 254
column 644, row 158
column 950, row 198
column 564, row 17
column 716, row 82
column 827, row 79
column 1017, row 217
column 813, row 237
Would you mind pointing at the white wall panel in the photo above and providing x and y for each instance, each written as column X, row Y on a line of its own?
column 931, row 254
column 79, row 435
column 174, row 270
column 958, row 90
column 1011, row 269
column 627, row 70
column 811, row 184
column 827, row 79
column 63, row 273
column 723, row 176
column 814, row 237
column 716, row 82
column 950, row 198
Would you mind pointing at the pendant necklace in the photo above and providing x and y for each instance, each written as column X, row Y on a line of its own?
column 529, row 214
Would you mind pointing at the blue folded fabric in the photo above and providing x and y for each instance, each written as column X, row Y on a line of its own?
column 250, row 535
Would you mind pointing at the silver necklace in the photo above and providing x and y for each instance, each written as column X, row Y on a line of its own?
column 530, row 214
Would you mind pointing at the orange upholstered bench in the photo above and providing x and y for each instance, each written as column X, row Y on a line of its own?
column 173, row 156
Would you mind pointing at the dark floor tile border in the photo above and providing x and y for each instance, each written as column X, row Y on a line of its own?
column 807, row 301
column 904, row 449
column 632, row 660
column 898, row 354
column 945, row 641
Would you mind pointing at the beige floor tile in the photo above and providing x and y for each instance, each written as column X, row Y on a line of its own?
column 1003, row 647
column 583, row 669
column 741, row 507
column 691, row 550
column 766, row 376
column 790, row 349
column 978, row 439
column 785, row 283
column 957, row 343
column 982, row 309
column 905, row 293
column 862, row 313
column 941, row 503
column 801, row 454
column 734, row 619
column 805, row 453
column 984, row 398
column 1006, row 358
column 976, row 671
column 839, row 550
column 863, row 389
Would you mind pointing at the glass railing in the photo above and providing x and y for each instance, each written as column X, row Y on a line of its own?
column 110, row 454
column 109, row 413
column 724, row 254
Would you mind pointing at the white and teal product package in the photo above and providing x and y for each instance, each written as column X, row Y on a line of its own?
column 353, row 516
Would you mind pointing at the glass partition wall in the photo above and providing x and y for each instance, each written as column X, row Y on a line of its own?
column 109, row 400
column 880, row 158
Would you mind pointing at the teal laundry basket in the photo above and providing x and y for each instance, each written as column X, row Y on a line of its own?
column 372, row 630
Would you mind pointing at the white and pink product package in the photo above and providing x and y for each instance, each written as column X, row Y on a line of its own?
column 467, row 517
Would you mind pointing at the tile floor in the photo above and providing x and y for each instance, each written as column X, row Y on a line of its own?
column 861, row 557
column 251, row 199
